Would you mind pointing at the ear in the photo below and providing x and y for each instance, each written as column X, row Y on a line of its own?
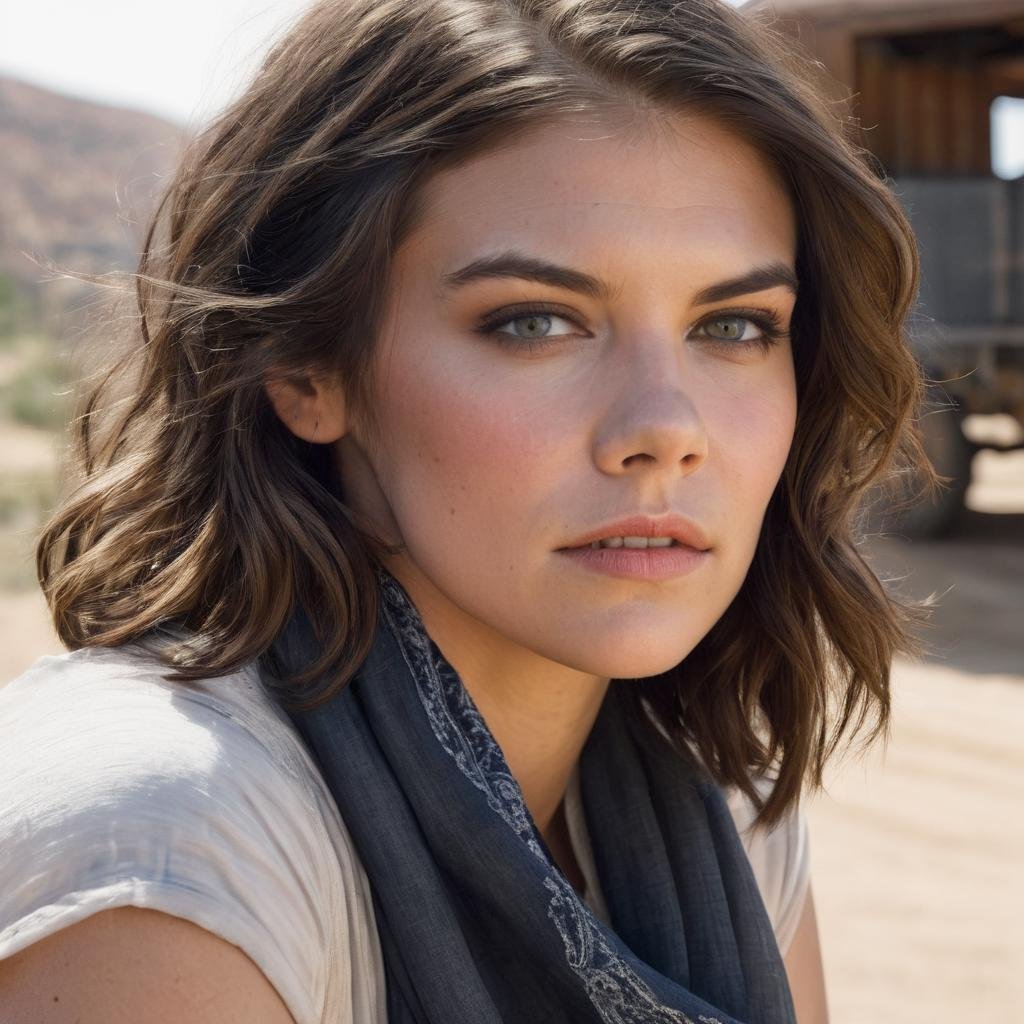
column 312, row 408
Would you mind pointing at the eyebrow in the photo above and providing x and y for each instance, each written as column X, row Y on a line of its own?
column 531, row 268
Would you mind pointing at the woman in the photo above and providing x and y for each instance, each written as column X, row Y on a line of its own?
column 495, row 500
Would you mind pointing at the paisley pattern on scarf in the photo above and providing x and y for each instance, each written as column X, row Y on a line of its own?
column 618, row 994
column 477, row 923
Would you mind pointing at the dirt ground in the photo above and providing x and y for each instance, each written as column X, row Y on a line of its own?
column 916, row 851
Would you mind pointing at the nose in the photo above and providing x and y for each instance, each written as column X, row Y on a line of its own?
column 654, row 425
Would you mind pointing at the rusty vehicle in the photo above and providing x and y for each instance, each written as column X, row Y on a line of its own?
column 920, row 78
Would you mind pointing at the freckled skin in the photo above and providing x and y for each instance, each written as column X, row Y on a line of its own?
column 631, row 416
column 493, row 459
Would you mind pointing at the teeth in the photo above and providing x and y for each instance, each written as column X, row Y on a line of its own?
column 634, row 542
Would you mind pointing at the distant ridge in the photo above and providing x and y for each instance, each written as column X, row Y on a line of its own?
column 78, row 180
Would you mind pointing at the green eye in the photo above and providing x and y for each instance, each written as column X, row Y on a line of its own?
column 534, row 325
column 742, row 330
column 530, row 329
column 727, row 328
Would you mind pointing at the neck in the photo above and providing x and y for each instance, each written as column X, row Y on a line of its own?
column 540, row 721
column 540, row 712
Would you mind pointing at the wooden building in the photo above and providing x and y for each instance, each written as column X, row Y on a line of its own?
column 921, row 75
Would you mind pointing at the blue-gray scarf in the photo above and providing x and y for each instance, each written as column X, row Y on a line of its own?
column 478, row 925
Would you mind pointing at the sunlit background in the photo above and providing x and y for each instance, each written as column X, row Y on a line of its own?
column 916, row 854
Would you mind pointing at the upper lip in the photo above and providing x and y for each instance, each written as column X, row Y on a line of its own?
column 684, row 530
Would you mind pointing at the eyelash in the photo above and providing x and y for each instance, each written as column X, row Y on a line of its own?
column 769, row 323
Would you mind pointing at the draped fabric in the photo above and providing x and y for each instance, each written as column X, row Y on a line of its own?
column 478, row 924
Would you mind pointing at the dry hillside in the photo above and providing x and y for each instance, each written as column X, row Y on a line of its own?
column 76, row 178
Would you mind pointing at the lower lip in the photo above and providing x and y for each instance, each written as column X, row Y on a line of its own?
column 639, row 563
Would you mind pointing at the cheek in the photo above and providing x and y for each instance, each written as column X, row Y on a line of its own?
column 751, row 434
column 463, row 448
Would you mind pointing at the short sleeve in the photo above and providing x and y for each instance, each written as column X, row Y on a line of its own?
column 118, row 788
column 780, row 860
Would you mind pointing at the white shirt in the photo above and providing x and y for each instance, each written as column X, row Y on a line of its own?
column 201, row 800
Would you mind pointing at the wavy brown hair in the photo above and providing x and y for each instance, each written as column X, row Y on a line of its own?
column 269, row 255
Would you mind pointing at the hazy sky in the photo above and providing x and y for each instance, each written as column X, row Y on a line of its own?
column 186, row 58
column 182, row 58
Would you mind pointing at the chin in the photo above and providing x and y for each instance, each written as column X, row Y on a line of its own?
column 636, row 658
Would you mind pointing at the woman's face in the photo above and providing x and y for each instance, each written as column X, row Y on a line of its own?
column 508, row 435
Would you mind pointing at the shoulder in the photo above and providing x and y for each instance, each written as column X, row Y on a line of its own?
column 100, row 734
column 780, row 859
column 101, row 725
column 118, row 787
column 131, row 964
column 107, row 718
